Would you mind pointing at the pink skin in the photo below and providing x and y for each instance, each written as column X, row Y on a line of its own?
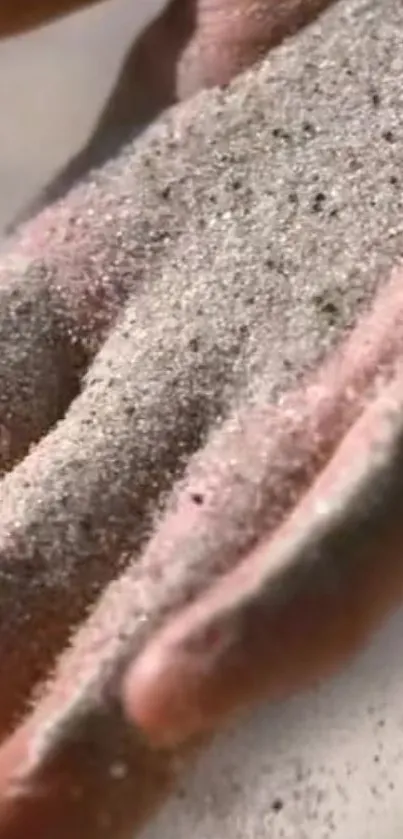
column 319, row 625
column 192, row 44
column 127, row 703
column 297, row 605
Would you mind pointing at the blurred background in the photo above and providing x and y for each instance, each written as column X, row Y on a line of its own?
column 53, row 84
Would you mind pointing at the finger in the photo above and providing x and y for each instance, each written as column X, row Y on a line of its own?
column 80, row 502
column 147, row 83
column 179, row 564
column 203, row 321
column 97, row 779
column 104, row 464
column 40, row 367
column 190, row 45
column 56, row 308
column 230, row 35
column 297, row 605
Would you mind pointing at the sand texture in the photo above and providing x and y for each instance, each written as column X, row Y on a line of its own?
column 247, row 228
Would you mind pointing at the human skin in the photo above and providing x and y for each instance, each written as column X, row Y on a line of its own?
column 297, row 606
column 106, row 743
column 189, row 45
column 114, row 357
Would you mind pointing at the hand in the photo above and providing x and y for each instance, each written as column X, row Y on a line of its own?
column 146, row 577
column 190, row 45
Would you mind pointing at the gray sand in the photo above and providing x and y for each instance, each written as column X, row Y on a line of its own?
column 53, row 83
column 330, row 764
column 196, row 239
column 275, row 201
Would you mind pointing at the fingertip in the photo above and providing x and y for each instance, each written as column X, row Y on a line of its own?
column 144, row 691
column 16, row 794
column 155, row 697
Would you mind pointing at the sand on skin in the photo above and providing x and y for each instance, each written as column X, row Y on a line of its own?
column 327, row 764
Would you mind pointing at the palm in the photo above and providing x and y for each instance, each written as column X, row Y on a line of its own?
column 130, row 359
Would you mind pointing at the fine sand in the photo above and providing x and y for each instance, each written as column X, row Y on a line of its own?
column 303, row 207
column 52, row 86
